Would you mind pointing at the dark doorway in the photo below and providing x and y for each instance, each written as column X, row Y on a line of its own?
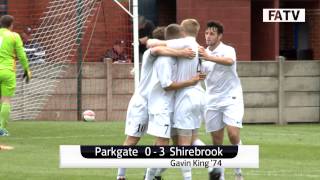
column 262, row 33
column 160, row 12
column 167, row 12
column 295, row 37
column 148, row 9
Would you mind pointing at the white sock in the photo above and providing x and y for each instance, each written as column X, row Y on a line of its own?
column 121, row 172
column 238, row 170
column 198, row 142
column 160, row 171
column 186, row 172
column 150, row 173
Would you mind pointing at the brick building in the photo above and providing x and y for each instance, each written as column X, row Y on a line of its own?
column 242, row 19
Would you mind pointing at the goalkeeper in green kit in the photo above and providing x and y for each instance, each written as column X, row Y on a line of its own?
column 11, row 46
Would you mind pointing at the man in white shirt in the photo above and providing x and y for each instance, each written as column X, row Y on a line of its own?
column 224, row 107
column 137, row 112
column 188, row 101
column 161, row 97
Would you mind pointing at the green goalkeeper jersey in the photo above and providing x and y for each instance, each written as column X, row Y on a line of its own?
column 11, row 46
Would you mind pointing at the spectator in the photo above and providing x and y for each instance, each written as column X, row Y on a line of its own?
column 146, row 28
column 117, row 53
column 34, row 51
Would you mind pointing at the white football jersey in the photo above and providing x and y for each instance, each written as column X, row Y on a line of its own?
column 187, row 68
column 188, row 100
column 146, row 73
column 137, row 112
column 223, row 85
column 163, row 75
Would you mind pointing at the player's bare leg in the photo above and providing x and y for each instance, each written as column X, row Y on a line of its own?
column 233, row 134
column 154, row 173
column 194, row 137
column 162, row 141
column 174, row 140
column 130, row 141
column 217, row 139
column 195, row 142
column 185, row 139
column 234, row 137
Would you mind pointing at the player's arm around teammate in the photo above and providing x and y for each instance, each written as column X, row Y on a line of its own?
column 227, row 61
column 166, row 51
column 141, row 94
column 137, row 113
column 161, row 98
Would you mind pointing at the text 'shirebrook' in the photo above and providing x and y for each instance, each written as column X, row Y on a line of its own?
column 159, row 151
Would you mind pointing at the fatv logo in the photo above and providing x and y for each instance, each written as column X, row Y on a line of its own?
column 283, row 15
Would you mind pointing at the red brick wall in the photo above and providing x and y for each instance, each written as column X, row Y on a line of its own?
column 263, row 34
column 286, row 36
column 166, row 12
column 26, row 12
column 112, row 24
column 234, row 15
column 21, row 11
column 314, row 18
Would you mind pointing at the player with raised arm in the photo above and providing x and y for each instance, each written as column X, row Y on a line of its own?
column 224, row 99
column 161, row 96
column 10, row 46
column 137, row 113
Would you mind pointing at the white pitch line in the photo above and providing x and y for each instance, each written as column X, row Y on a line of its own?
column 61, row 137
column 200, row 133
column 270, row 133
column 257, row 173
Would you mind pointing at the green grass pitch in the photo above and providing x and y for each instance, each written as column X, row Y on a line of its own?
column 286, row 152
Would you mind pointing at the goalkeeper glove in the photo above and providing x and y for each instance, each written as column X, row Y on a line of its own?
column 27, row 75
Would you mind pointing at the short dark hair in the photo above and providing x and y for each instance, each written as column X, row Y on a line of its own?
column 158, row 33
column 6, row 21
column 215, row 26
column 173, row 31
column 141, row 20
